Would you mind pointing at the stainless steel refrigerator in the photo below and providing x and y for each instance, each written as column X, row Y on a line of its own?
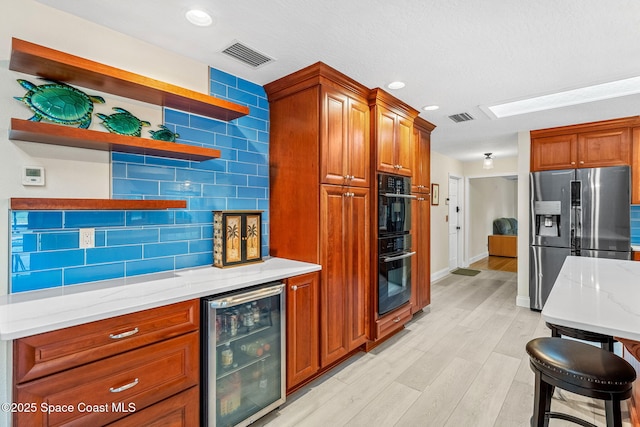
column 580, row 212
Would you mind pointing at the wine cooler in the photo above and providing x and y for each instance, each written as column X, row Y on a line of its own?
column 243, row 355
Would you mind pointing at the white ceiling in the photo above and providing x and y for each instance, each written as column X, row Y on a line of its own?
column 454, row 53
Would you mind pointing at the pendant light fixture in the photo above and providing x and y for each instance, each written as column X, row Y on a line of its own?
column 488, row 161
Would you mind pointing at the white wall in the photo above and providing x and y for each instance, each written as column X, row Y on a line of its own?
column 524, row 151
column 70, row 172
column 489, row 199
column 441, row 167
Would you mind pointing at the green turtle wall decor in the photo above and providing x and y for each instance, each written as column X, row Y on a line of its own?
column 122, row 122
column 164, row 134
column 59, row 103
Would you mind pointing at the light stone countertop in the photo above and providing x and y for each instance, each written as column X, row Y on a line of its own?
column 598, row 295
column 29, row 313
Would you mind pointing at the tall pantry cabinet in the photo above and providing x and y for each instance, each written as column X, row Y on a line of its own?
column 421, row 218
column 320, row 197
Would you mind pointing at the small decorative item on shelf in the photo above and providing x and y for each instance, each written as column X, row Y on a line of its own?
column 59, row 103
column 164, row 134
column 236, row 237
column 122, row 122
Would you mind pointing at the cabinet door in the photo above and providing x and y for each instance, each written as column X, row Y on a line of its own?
column 385, row 140
column 554, row 152
column 422, row 161
column 303, row 333
column 421, row 266
column 356, row 282
column 604, row 148
column 404, row 146
column 333, row 257
column 635, row 167
column 359, row 143
column 334, row 153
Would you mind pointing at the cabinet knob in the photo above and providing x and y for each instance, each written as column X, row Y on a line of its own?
column 294, row 288
column 582, row 162
column 573, row 163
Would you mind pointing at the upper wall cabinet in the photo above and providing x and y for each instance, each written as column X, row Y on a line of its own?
column 392, row 133
column 588, row 145
column 52, row 64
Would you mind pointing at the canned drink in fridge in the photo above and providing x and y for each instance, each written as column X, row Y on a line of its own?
column 219, row 326
column 232, row 324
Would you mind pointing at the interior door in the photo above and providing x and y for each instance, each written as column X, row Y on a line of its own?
column 454, row 223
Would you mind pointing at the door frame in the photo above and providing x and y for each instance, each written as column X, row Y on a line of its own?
column 467, row 219
column 461, row 219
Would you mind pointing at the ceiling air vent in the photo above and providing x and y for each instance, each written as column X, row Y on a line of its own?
column 247, row 55
column 462, row 117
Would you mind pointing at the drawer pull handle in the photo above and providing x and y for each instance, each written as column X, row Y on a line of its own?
column 396, row 320
column 124, row 387
column 124, row 334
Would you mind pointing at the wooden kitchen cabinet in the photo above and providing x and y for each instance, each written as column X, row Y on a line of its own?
column 345, row 139
column 589, row 145
column 421, row 216
column 315, row 214
column 345, row 272
column 122, row 365
column 635, row 166
column 392, row 133
column 303, row 328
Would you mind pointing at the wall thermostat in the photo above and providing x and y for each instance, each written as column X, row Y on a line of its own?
column 32, row 175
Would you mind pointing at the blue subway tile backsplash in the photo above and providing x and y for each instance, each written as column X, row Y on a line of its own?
column 635, row 225
column 44, row 244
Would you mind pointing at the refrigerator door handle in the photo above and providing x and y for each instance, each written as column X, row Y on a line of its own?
column 238, row 299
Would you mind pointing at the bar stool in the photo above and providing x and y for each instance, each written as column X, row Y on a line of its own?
column 579, row 368
column 606, row 341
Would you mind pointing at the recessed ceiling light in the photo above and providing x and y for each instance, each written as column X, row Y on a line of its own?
column 570, row 97
column 198, row 17
column 430, row 107
column 396, row 85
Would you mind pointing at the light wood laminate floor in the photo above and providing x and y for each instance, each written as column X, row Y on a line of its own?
column 461, row 363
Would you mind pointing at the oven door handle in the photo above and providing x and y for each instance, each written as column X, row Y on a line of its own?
column 396, row 258
column 402, row 196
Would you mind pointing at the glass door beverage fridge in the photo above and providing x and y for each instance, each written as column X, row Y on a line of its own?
column 243, row 355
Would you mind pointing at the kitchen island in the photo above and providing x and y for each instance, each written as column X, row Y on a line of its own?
column 603, row 296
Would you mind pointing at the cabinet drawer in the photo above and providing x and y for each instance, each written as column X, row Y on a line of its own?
column 112, row 387
column 51, row 352
column 181, row 410
column 393, row 321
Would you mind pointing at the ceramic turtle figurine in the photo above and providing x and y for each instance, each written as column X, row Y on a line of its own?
column 123, row 122
column 59, row 103
column 164, row 134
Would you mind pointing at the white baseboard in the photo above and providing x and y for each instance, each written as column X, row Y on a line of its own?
column 522, row 301
column 439, row 274
column 478, row 257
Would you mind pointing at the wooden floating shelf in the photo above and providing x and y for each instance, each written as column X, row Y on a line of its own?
column 31, row 204
column 47, row 133
column 52, row 64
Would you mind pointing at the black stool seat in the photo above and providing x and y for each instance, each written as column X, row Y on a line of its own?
column 606, row 341
column 579, row 368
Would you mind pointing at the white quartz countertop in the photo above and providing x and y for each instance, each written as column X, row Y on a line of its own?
column 598, row 295
column 34, row 312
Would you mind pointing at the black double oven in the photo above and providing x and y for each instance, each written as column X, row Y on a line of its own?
column 394, row 241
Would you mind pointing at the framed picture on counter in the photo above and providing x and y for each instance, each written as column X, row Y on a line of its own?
column 435, row 194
